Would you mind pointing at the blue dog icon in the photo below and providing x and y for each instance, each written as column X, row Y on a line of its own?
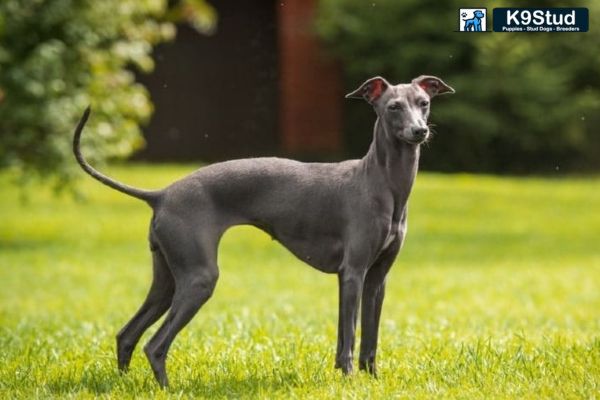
column 474, row 24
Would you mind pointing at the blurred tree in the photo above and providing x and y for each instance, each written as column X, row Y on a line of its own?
column 58, row 56
column 525, row 102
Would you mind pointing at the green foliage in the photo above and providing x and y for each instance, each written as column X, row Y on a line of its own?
column 494, row 295
column 524, row 102
column 58, row 56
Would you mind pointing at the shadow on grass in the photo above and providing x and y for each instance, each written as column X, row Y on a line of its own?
column 227, row 386
column 96, row 380
column 25, row 245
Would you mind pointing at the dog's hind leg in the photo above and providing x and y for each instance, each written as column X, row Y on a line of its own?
column 156, row 304
column 193, row 263
column 190, row 295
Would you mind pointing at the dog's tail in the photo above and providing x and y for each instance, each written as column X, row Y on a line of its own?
column 151, row 197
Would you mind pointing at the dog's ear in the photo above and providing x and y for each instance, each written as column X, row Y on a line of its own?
column 371, row 90
column 432, row 85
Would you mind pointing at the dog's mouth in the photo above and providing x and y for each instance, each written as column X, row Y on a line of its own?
column 415, row 139
column 420, row 141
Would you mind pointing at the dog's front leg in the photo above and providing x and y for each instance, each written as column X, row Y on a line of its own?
column 338, row 353
column 372, row 301
column 351, row 283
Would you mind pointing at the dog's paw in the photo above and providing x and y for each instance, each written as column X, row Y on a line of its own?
column 368, row 366
column 124, row 353
column 345, row 364
column 347, row 368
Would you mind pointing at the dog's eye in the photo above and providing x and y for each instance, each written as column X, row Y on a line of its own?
column 423, row 103
column 394, row 106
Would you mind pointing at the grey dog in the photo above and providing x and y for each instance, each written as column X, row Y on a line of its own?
column 347, row 218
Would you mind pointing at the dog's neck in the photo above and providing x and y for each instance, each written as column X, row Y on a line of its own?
column 392, row 162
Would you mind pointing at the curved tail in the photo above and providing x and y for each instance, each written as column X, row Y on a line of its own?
column 151, row 197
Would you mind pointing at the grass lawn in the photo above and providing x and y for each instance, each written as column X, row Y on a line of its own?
column 496, row 294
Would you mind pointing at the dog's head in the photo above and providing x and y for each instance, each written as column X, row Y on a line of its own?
column 403, row 109
column 478, row 14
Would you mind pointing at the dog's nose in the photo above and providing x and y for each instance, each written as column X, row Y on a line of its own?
column 419, row 132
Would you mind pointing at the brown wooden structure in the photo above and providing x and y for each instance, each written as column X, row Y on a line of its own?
column 261, row 85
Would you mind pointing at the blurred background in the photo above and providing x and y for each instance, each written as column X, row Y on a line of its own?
column 194, row 80
column 497, row 290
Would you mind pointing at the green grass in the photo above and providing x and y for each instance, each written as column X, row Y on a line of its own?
column 496, row 294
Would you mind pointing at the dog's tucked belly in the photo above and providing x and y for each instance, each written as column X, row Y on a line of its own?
column 321, row 252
